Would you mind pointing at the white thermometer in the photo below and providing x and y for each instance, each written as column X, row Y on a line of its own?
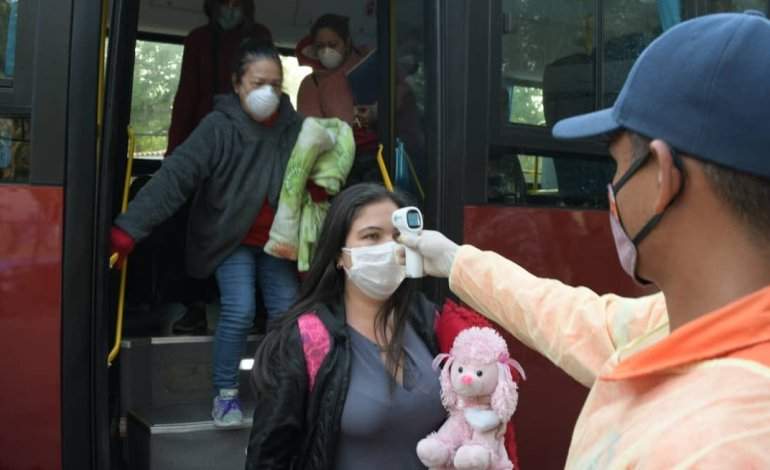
column 409, row 220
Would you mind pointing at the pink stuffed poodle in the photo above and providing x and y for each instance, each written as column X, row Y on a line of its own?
column 480, row 395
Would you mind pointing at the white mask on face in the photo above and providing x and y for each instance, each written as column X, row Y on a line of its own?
column 374, row 269
column 262, row 102
column 330, row 58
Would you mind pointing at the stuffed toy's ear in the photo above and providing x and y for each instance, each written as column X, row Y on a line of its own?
column 448, row 395
column 506, row 395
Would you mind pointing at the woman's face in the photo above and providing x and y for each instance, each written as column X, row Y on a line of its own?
column 326, row 39
column 258, row 73
column 372, row 226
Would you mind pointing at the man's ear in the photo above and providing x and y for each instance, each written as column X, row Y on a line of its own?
column 669, row 175
column 234, row 79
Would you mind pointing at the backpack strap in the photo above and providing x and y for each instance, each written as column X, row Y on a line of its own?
column 316, row 343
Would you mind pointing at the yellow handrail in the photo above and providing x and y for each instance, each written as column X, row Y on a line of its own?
column 101, row 84
column 384, row 170
column 414, row 175
column 113, row 258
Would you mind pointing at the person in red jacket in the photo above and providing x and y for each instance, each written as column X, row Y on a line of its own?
column 208, row 52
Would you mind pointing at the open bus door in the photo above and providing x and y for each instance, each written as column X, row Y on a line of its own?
column 154, row 403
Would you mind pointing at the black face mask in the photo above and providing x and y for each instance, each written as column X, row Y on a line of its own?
column 627, row 248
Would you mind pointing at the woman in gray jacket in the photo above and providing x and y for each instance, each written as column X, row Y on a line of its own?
column 232, row 167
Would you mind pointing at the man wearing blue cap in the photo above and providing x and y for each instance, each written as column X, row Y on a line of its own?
column 680, row 378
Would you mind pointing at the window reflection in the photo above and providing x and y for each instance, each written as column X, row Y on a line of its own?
column 8, row 22
column 629, row 26
column 14, row 149
column 518, row 177
column 547, row 64
column 725, row 6
column 411, row 167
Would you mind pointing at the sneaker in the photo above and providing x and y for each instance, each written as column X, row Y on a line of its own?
column 193, row 322
column 227, row 409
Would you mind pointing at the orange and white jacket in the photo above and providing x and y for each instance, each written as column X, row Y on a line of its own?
column 696, row 398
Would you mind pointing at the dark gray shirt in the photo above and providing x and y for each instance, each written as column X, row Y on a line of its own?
column 381, row 425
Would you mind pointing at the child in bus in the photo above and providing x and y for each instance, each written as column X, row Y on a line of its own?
column 208, row 52
column 375, row 394
column 232, row 167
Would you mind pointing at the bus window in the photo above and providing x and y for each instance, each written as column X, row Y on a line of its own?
column 156, row 76
column 14, row 150
column 547, row 67
column 630, row 26
column 8, row 20
column 549, row 179
column 409, row 48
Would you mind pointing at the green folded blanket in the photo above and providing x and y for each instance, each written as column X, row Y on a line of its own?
column 323, row 154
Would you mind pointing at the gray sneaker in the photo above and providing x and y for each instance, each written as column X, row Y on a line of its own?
column 227, row 409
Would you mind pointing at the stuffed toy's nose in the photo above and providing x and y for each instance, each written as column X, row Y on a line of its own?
column 467, row 380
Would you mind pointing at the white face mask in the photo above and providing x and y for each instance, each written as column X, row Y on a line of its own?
column 262, row 102
column 330, row 58
column 374, row 269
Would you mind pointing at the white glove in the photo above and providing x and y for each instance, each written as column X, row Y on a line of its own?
column 438, row 251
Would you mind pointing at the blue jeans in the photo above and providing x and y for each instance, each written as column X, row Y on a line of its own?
column 237, row 278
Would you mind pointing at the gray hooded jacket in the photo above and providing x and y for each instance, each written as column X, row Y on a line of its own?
column 228, row 165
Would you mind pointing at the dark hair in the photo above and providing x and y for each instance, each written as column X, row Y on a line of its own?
column 747, row 195
column 337, row 23
column 252, row 50
column 211, row 8
column 325, row 284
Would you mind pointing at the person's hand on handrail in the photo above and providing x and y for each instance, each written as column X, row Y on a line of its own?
column 121, row 244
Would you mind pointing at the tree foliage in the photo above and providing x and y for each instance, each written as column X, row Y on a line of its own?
column 156, row 76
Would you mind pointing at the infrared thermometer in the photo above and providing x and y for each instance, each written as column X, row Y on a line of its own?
column 409, row 220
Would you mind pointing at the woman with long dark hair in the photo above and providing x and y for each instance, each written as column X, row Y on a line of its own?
column 369, row 400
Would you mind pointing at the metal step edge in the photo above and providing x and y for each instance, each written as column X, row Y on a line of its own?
column 201, row 424
column 160, row 340
column 196, row 427
column 176, row 428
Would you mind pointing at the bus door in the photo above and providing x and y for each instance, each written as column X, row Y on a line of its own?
column 158, row 391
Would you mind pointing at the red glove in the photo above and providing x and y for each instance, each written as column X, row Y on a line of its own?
column 317, row 193
column 121, row 243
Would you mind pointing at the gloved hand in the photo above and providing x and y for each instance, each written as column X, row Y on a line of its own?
column 438, row 251
column 121, row 243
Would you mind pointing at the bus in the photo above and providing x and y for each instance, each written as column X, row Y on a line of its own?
column 488, row 78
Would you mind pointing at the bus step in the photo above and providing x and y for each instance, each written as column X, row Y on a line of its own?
column 184, row 437
column 160, row 372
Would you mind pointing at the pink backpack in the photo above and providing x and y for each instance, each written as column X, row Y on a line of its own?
column 316, row 344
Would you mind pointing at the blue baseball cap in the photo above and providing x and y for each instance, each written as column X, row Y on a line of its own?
column 703, row 86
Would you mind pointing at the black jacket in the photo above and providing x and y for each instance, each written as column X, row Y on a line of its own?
column 228, row 165
column 294, row 429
